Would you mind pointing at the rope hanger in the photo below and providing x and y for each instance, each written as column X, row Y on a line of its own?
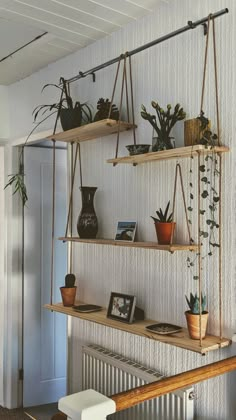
column 211, row 21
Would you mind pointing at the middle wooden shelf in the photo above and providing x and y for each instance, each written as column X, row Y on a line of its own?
column 145, row 245
column 180, row 339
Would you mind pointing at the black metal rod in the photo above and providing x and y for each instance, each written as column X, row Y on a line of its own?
column 189, row 26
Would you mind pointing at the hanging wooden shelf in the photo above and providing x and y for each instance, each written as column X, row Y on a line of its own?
column 180, row 339
column 92, row 131
column 179, row 152
column 146, row 245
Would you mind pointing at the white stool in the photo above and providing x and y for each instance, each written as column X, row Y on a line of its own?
column 87, row 405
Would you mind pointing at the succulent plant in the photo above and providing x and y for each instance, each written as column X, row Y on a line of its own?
column 163, row 217
column 194, row 303
column 166, row 119
column 103, row 107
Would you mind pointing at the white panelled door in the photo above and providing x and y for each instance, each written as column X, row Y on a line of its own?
column 45, row 332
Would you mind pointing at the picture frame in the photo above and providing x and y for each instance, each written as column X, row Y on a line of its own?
column 121, row 307
column 125, row 231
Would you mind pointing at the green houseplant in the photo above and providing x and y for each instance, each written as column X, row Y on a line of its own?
column 164, row 225
column 209, row 170
column 68, row 292
column 193, row 316
column 71, row 114
column 163, row 122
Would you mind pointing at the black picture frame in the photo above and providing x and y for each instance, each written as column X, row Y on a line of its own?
column 121, row 307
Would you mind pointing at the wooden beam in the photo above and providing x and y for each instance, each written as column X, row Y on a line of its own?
column 147, row 392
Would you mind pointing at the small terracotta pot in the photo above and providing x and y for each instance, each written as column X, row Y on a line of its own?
column 163, row 231
column 68, row 295
column 193, row 322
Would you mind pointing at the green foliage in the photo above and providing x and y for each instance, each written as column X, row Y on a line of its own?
column 208, row 138
column 209, row 201
column 163, row 217
column 103, row 107
column 166, row 119
column 194, row 303
column 65, row 102
column 17, row 182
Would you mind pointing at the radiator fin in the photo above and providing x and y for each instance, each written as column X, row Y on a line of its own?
column 110, row 373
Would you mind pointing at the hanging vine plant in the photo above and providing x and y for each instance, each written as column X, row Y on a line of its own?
column 209, row 194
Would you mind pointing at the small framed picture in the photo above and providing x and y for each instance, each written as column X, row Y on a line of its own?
column 121, row 307
column 125, row 231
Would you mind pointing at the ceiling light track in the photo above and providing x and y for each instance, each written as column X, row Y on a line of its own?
column 23, row 46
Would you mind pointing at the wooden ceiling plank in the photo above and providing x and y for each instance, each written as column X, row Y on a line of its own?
column 53, row 20
column 66, row 11
column 59, row 32
column 124, row 7
column 95, row 9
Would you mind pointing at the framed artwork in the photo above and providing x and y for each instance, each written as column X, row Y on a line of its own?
column 125, row 231
column 121, row 307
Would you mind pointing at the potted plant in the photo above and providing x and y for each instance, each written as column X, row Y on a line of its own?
column 197, row 131
column 166, row 120
column 193, row 316
column 71, row 114
column 164, row 225
column 209, row 193
column 68, row 292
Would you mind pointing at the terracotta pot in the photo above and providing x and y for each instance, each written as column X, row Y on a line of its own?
column 193, row 322
column 68, row 295
column 163, row 231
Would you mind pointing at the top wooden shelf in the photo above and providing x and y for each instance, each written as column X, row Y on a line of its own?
column 179, row 152
column 92, row 131
column 180, row 339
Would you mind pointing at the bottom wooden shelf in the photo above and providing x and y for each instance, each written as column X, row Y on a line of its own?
column 180, row 339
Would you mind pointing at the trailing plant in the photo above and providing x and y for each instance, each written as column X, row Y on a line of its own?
column 194, row 303
column 208, row 138
column 17, row 180
column 163, row 217
column 209, row 194
column 164, row 121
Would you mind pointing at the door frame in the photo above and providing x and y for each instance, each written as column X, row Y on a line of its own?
column 11, row 282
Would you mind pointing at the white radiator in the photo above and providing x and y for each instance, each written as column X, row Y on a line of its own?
column 110, row 373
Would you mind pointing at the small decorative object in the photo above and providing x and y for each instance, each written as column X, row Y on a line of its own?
column 193, row 316
column 163, row 328
column 103, row 107
column 71, row 115
column 87, row 225
column 166, row 120
column 137, row 149
column 87, row 308
column 68, row 292
column 121, row 307
column 125, row 231
column 164, row 226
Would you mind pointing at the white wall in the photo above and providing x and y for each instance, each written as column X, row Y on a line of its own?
column 4, row 113
column 169, row 73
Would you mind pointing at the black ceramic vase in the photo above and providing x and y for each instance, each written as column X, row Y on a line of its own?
column 87, row 225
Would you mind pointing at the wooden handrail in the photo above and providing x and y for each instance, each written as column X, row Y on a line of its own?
column 143, row 393
column 156, row 389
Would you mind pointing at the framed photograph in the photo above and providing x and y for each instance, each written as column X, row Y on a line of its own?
column 125, row 231
column 121, row 307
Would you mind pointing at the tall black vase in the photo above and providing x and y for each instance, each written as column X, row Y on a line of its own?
column 87, row 225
